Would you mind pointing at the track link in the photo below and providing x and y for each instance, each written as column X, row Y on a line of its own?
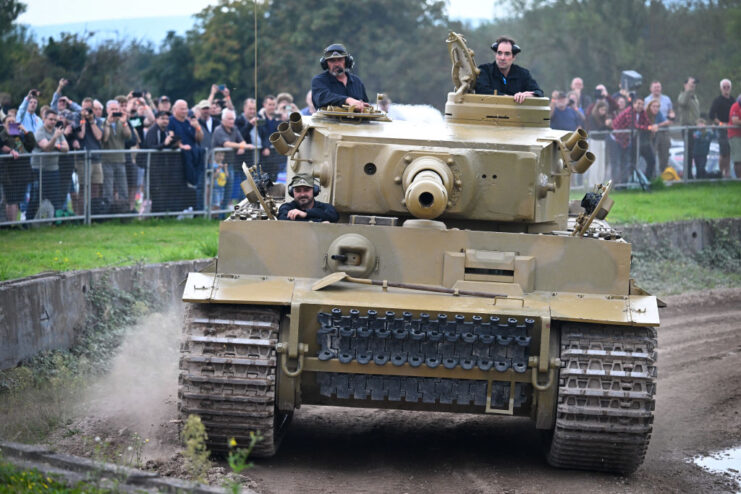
column 228, row 374
column 605, row 398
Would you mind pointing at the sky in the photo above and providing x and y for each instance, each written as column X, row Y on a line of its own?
column 51, row 12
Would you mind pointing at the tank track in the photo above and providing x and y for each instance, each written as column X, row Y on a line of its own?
column 228, row 374
column 605, row 398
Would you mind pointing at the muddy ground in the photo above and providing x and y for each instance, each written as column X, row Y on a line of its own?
column 345, row 450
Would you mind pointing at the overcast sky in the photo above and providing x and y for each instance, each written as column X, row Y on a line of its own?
column 49, row 12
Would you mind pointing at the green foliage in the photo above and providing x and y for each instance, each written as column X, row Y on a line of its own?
column 196, row 454
column 14, row 480
column 238, row 460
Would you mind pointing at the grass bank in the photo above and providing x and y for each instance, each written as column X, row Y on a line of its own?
column 72, row 247
column 677, row 202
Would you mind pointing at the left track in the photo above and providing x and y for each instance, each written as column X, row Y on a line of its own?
column 228, row 374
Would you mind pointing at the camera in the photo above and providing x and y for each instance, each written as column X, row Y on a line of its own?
column 598, row 94
column 117, row 114
column 630, row 80
column 136, row 94
column 222, row 87
column 59, row 124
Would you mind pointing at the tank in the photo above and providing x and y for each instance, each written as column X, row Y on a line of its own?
column 454, row 281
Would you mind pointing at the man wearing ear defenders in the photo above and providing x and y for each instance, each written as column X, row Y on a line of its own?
column 337, row 86
column 304, row 207
column 503, row 76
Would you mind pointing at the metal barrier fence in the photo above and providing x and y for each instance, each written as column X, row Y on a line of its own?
column 633, row 157
column 96, row 185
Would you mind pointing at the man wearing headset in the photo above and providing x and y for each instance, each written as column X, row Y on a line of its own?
column 503, row 76
column 337, row 85
column 304, row 207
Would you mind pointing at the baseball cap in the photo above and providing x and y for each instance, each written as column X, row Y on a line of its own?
column 203, row 104
column 302, row 180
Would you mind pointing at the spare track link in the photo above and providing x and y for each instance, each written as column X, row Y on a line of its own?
column 228, row 374
column 605, row 397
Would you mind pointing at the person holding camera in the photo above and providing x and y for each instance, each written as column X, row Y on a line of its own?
column 116, row 132
column 337, row 86
column 689, row 112
column 164, row 172
column 26, row 115
column 47, row 182
column 273, row 162
column 503, row 76
column 15, row 175
column 304, row 206
column 90, row 135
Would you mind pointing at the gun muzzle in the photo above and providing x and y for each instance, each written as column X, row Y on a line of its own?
column 427, row 182
column 578, row 135
column 583, row 163
column 296, row 122
column 578, row 150
column 280, row 144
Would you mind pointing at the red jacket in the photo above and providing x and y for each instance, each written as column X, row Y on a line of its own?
column 629, row 120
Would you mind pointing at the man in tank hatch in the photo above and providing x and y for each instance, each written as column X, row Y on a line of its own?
column 304, row 206
column 503, row 76
column 337, row 85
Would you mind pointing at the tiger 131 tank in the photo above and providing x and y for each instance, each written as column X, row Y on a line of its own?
column 454, row 281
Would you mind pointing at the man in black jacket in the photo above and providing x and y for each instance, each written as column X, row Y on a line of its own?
column 503, row 76
column 304, row 207
column 337, row 85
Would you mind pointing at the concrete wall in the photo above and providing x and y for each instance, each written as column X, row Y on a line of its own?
column 47, row 311
column 687, row 236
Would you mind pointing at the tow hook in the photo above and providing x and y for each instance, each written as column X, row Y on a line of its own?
column 282, row 348
column 555, row 363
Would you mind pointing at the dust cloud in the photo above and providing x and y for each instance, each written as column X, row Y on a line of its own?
column 139, row 394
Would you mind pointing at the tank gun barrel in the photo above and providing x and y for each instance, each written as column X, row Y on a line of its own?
column 427, row 182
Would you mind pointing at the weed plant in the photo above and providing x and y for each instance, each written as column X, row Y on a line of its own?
column 196, row 454
column 14, row 480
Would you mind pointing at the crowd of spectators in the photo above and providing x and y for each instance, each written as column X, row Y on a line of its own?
column 637, row 130
column 36, row 166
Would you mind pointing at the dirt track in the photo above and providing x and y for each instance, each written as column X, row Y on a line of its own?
column 341, row 450
column 697, row 411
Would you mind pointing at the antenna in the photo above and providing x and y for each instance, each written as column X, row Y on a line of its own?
column 256, row 152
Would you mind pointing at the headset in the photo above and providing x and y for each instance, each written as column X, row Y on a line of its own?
column 336, row 47
column 515, row 48
column 316, row 187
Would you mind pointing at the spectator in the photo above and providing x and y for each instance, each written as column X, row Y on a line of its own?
column 116, row 132
column 207, row 122
column 163, row 103
column 46, row 180
column 285, row 105
column 661, row 140
column 719, row 114
column 599, row 121
column 247, row 123
column 309, row 109
column 15, row 174
column 186, row 127
column 225, row 102
column 734, row 135
column 98, row 111
column 702, row 137
column 601, row 94
column 227, row 135
column 167, row 188
column 61, row 103
column 90, row 135
column 632, row 118
column 69, row 162
column 665, row 102
column 583, row 101
column 26, row 115
column 564, row 116
column 273, row 162
column 689, row 112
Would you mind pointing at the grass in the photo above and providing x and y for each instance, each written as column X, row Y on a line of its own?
column 677, row 202
column 72, row 247
column 14, row 480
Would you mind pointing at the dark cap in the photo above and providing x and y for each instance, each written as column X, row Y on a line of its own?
column 160, row 113
column 561, row 95
column 163, row 98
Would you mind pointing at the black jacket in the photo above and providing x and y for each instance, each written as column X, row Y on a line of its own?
column 517, row 81
column 321, row 211
column 327, row 90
